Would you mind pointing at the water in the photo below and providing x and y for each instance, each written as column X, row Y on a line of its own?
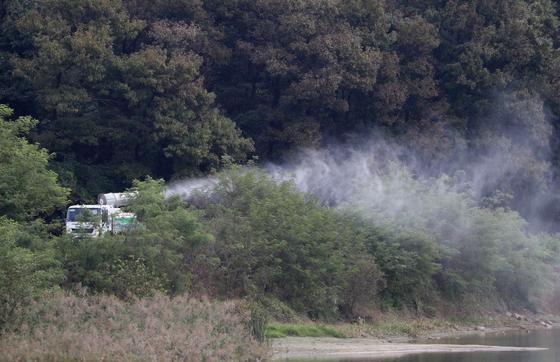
column 548, row 338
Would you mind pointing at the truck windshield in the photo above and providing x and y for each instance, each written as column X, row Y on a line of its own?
column 74, row 213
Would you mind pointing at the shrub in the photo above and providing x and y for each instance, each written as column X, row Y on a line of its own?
column 23, row 273
column 130, row 276
column 274, row 241
column 170, row 239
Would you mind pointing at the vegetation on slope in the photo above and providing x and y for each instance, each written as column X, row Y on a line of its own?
column 134, row 90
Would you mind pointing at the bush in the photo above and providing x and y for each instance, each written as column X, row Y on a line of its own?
column 274, row 241
column 130, row 276
column 170, row 239
column 409, row 262
column 23, row 273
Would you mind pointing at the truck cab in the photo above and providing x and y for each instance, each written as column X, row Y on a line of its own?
column 106, row 216
column 89, row 220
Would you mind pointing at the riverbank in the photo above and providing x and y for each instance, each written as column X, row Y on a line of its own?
column 290, row 348
column 393, row 338
column 400, row 329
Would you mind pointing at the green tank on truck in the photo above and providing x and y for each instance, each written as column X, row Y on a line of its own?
column 123, row 221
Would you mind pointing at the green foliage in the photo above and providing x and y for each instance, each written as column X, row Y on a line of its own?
column 131, row 277
column 272, row 240
column 276, row 330
column 116, row 95
column 163, row 253
column 128, row 88
column 24, row 273
column 409, row 262
column 28, row 189
column 86, row 260
column 258, row 322
column 170, row 239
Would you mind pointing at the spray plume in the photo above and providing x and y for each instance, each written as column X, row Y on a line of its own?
column 507, row 166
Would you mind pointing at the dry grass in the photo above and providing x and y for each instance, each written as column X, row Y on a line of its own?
column 66, row 327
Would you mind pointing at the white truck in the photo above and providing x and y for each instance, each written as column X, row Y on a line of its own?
column 104, row 217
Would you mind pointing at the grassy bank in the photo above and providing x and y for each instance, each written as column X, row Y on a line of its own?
column 393, row 328
column 67, row 327
column 389, row 328
column 406, row 327
column 278, row 330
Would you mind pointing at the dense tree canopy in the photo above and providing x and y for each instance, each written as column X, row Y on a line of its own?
column 115, row 93
column 128, row 88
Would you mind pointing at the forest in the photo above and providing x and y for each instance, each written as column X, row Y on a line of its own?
column 364, row 156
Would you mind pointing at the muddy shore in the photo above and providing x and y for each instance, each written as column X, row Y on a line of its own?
column 334, row 348
column 310, row 348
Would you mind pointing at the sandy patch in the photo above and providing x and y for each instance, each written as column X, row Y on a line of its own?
column 327, row 348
